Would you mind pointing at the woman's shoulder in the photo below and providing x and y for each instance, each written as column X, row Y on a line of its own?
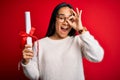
column 41, row 40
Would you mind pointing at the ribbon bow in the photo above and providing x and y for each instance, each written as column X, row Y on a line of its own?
column 25, row 35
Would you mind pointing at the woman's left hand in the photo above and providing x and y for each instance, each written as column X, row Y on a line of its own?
column 75, row 20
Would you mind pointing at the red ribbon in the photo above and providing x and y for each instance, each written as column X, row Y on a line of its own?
column 24, row 38
column 25, row 35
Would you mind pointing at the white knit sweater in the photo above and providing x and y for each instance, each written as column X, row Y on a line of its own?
column 62, row 59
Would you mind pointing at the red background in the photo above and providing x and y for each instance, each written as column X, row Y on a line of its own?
column 101, row 17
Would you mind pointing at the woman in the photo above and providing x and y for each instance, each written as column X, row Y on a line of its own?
column 61, row 51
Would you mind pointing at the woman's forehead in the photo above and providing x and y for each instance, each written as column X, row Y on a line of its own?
column 65, row 11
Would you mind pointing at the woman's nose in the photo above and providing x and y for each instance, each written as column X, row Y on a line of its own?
column 65, row 22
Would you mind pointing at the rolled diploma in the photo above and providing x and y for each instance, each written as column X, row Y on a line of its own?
column 28, row 26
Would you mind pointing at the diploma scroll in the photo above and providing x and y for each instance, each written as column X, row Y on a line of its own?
column 28, row 26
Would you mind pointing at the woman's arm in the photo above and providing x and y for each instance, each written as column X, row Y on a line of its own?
column 31, row 68
column 91, row 49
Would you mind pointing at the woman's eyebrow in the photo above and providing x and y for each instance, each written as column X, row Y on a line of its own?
column 64, row 15
column 61, row 14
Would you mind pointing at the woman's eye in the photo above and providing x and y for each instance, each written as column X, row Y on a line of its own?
column 71, row 19
column 61, row 18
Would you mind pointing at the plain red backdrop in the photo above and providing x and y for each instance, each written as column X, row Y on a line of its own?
column 101, row 17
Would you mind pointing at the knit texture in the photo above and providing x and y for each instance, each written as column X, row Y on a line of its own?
column 62, row 59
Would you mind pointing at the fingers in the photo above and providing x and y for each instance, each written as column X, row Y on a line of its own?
column 27, row 50
column 80, row 12
column 28, row 46
column 71, row 22
column 71, row 18
column 27, row 56
column 75, row 20
column 73, row 12
column 27, row 53
column 77, row 13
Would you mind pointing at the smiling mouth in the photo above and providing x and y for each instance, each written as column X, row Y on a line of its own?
column 64, row 29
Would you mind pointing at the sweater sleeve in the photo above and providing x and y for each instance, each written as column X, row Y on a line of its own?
column 91, row 49
column 31, row 69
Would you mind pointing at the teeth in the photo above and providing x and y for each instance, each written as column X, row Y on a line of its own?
column 65, row 28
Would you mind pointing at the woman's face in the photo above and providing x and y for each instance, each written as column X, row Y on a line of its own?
column 62, row 26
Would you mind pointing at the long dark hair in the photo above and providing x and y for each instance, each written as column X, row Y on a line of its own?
column 51, row 28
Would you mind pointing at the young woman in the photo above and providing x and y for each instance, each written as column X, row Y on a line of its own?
column 61, row 51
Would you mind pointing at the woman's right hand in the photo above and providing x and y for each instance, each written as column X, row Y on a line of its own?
column 27, row 54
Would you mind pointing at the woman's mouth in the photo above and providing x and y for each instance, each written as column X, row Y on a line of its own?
column 64, row 29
